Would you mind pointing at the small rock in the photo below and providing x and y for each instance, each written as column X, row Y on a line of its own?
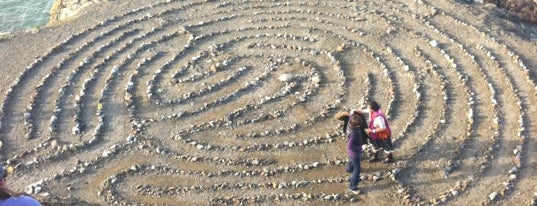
column 106, row 153
column 396, row 171
column 54, row 143
column 434, row 43
column 30, row 190
column 513, row 170
column 37, row 189
column 255, row 162
column 376, row 178
column 316, row 79
column 302, row 184
column 286, row 78
column 493, row 195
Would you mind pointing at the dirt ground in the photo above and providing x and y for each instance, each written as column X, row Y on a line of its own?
column 182, row 103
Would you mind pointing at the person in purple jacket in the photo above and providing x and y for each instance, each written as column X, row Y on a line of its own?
column 355, row 130
column 10, row 198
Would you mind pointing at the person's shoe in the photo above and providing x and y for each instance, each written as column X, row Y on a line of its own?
column 374, row 157
column 356, row 191
column 389, row 158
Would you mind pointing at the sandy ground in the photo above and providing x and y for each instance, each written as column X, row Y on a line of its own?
column 180, row 102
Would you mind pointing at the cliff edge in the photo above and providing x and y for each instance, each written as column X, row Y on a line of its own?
column 63, row 10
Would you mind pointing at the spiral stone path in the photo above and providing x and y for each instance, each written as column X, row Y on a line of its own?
column 232, row 102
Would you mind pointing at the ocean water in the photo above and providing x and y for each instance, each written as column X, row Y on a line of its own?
column 23, row 14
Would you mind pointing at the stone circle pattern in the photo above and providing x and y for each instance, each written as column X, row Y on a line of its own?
column 231, row 102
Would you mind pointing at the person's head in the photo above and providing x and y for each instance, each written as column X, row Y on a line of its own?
column 6, row 193
column 357, row 120
column 373, row 105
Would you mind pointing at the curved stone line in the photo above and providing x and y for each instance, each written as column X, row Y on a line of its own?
column 507, row 185
column 57, row 110
column 511, row 180
column 85, row 144
column 80, row 169
column 47, row 55
column 488, row 54
column 413, row 197
column 95, row 73
column 443, row 198
column 194, row 128
column 198, row 57
column 109, row 192
column 114, row 73
column 222, row 100
column 470, row 94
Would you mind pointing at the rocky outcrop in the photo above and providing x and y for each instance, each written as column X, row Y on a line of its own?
column 65, row 9
column 525, row 9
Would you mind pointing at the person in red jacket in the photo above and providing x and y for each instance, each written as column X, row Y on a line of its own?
column 379, row 132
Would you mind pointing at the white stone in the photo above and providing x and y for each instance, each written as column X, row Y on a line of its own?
column 493, row 195
column 286, row 77
column 30, row 190
column 434, row 43
column 376, row 178
column 106, row 153
column 37, row 189
column 316, row 79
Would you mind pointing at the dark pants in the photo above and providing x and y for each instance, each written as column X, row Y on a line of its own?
column 385, row 144
column 354, row 166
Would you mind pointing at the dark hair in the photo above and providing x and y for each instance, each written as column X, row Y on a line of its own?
column 357, row 120
column 374, row 105
column 4, row 192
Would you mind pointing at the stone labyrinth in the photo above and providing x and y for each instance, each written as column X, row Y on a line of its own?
column 232, row 102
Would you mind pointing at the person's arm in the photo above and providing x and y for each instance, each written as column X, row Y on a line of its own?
column 364, row 112
column 345, row 120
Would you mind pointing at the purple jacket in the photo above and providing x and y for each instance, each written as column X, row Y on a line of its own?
column 354, row 145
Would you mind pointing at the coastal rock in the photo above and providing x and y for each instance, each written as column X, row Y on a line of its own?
column 526, row 10
column 66, row 9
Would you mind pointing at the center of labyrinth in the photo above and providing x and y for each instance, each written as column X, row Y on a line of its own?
column 232, row 102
